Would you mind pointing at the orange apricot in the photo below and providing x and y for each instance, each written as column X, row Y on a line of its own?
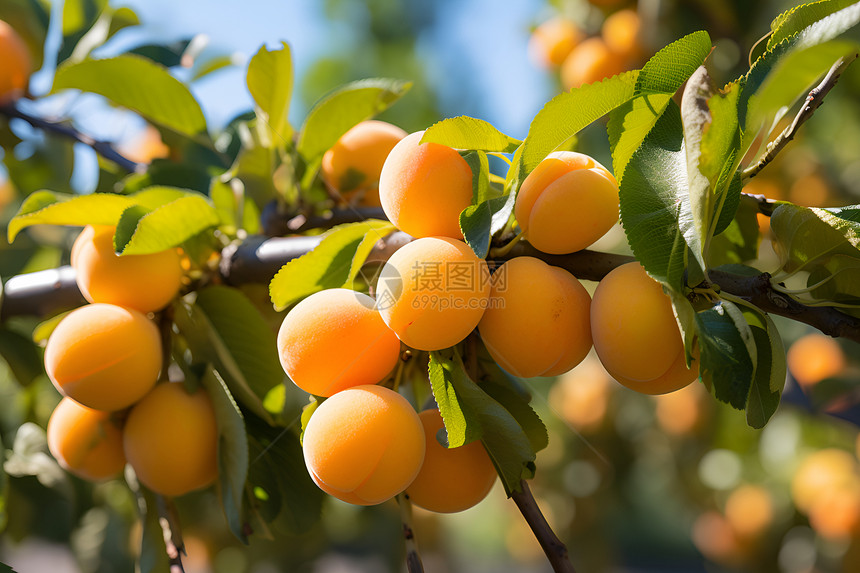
column 364, row 445
column 621, row 31
column 537, row 320
column 17, row 66
column 633, row 326
column 171, row 440
column 750, row 511
column 450, row 479
column 146, row 146
column 676, row 377
column 86, row 442
column 104, row 356
column 335, row 339
column 814, row 357
column 423, row 188
column 589, row 62
column 566, row 203
column 552, row 40
column 433, row 292
column 143, row 282
column 821, row 471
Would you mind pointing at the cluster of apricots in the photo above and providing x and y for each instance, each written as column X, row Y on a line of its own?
column 560, row 43
column 105, row 359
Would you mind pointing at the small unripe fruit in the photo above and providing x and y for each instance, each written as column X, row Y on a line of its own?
column 16, row 68
column 566, row 203
column 450, row 479
column 364, row 445
column 423, row 188
column 104, row 356
column 433, row 292
column 589, row 62
column 86, row 442
column 143, row 282
column 171, row 440
column 335, row 339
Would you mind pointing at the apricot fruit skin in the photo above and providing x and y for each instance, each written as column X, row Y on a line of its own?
column 143, row 282
column 536, row 318
column 364, row 445
column 566, row 203
column 676, row 377
column 354, row 163
column 633, row 326
column 620, row 32
column 17, row 65
column 171, row 440
column 104, row 356
column 335, row 339
column 433, row 292
column 86, row 442
column 589, row 62
column 552, row 41
column 423, row 188
column 450, row 479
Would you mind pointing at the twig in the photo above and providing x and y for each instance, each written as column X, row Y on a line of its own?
column 813, row 100
column 765, row 205
column 103, row 148
column 555, row 550
column 413, row 558
column 277, row 223
column 168, row 519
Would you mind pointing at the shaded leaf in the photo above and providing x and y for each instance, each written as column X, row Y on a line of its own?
column 727, row 353
column 806, row 234
column 22, row 357
column 766, row 387
column 479, row 222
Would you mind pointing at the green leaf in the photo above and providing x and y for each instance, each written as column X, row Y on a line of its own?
column 153, row 553
column 270, row 81
column 479, row 222
column 21, row 355
column 836, row 279
column 739, row 241
column 139, row 85
column 141, row 231
column 766, row 387
column 333, row 263
column 466, row 132
column 727, row 353
column 668, row 69
column 480, row 166
column 451, row 387
column 334, row 114
column 803, row 235
column 520, row 409
column 79, row 16
column 49, row 208
column 796, row 19
column 232, row 451
column 629, row 125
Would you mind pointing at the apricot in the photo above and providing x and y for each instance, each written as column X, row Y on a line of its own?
column 552, row 40
column 423, row 188
column 676, row 377
column 146, row 146
column 433, row 292
column 836, row 513
column 821, row 471
column 566, row 203
column 143, row 282
column 171, row 440
column 750, row 511
column 537, row 318
column 589, row 62
column 335, row 339
column 354, row 163
column 814, row 357
column 104, row 356
column 86, row 442
column 364, row 445
column 621, row 31
column 633, row 326
column 581, row 396
column 17, row 66
column 450, row 479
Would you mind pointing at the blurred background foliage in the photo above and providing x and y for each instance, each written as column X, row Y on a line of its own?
column 631, row 483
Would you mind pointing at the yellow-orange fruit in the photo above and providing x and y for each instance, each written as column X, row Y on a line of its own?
column 620, row 32
column 814, row 357
column 836, row 513
column 433, row 292
column 633, row 326
column 335, row 339
column 821, row 471
column 423, row 188
column 16, row 64
column 146, row 146
column 450, row 479
column 566, row 203
column 354, row 163
column 676, row 377
column 86, row 442
column 143, row 282
column 589, row 62
column 749, row 510
column 104, row 356
column 171, row 440
column 364, row 445
column 552, row 40
column 537, row 320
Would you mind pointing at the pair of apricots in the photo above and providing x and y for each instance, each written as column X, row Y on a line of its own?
column 105, row 358
column 363, row 444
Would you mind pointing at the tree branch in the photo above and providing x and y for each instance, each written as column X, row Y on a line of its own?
column 169, row 521
column 103, row 148
column 813, row 100
column 555, row 550
column 765, row 205
column 413, row 558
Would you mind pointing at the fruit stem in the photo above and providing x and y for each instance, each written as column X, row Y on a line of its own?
column 505, row 249
column 413, row 558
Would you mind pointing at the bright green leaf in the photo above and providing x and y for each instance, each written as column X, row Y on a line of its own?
column 270, row 81
column 49, row 208
column 668, row 69
column 629, row 124
column 796, row 19
column 803, row 235
column 466, row 132
column 141, row 232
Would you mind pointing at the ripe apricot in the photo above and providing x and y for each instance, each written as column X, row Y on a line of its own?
column 354, row 163
column 749, row 510
column 552, row 40
column 676, row 377
column 146, row 146
column 589, row 62
column 143, row 282
column 450, row 479
column 821, row 471
column 537, row 319
column 171, row 440
column 814, row 357
column 364, row 445
column 86, row 442
column 424, row 187
column 433, row 292
column 581, row 396
column 567, row 186
column 633, row 326
column 17, row 66
column 104, row 356
column 335, row 339
column 621, row 31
